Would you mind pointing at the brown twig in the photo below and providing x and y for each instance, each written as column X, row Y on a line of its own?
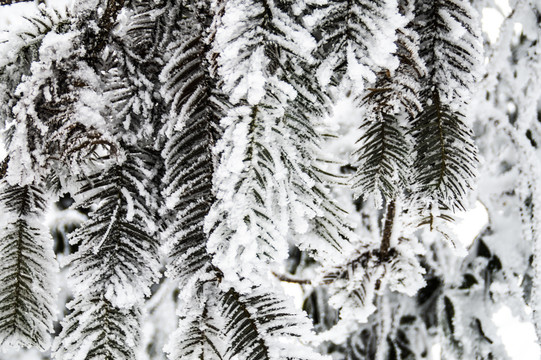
column 387, row 230
column 290, row 279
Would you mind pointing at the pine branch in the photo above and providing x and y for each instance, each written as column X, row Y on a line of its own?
column 384, row 150
column 191, row 130
column 49, row 129
column 446, row 155
column 27, row 295
column 381, row 159
column 243, row 196
column 120, row 238
column 73, row 140
column 355, row 284
column 96, row 329
column 117, row 259
column 267, row 32
column 116, row 263
column 263, row 326
column 350, row 32
column 269, row 184
column 200, row 331
column 451, row 47
column 106, row 24
column 132, row 74
column 146, row 33
column 302, row 156
column 196, row 342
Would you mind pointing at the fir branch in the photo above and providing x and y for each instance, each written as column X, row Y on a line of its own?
column 450, row 45
column 146, row 32
column 278, row 188
column 446, row 162
column 96, row 329
column 196, row 340
column 115, row 265
column 191, row 130
column 446, row 155
column 355, row 284
column 200, row 333
column 349, row 32
column 381, row 159
column 120, row 238
column 382, row 156
column 27, row 296
column 262, row 325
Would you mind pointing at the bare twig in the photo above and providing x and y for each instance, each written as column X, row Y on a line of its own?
column 291, row 279
column 387, row 230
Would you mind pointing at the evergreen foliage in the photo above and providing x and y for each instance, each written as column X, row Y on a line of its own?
column 356, row 40
column 446, row 155
column 192, row 129
column 382, row 169
column 28, row 283
column 268, row 184
column 117, row 259
column 199, row 334
column 263, row 326
column 383, row 156
column 202, row 160
column 451, row 49
column 97, row 329
column 117, row 242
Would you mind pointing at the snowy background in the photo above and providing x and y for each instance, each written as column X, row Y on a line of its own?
column 518, row 337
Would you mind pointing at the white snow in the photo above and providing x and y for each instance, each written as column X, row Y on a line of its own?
column 470, row 223
column 250, row 82
column 518, row 336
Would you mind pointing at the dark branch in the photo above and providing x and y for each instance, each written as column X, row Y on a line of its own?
column 106, row 25
column 387, row 230
column 4, row 167
column 291, row 279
